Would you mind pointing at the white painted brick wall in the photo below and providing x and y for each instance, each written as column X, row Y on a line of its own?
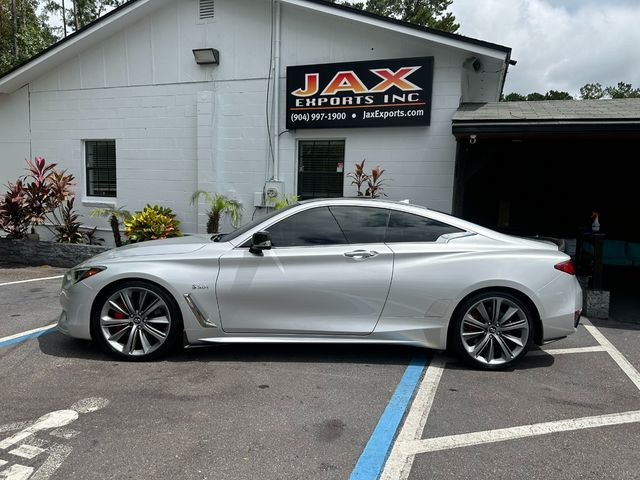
column 143, row 89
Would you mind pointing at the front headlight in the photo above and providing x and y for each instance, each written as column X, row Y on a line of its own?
column 76, row 275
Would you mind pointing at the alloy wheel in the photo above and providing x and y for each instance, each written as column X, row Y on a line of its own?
column 494, row 331
column 135, row 321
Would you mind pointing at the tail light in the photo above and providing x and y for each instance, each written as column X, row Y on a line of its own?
column 566, row 267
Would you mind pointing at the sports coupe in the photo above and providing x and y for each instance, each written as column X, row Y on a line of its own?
column 338, row 270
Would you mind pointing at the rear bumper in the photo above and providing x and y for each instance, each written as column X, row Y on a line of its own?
column 562, row 306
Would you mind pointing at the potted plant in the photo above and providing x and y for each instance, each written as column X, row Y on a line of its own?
column 220, row 206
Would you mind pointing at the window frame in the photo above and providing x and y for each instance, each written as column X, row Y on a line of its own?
column 296, row 172
column 92, row 200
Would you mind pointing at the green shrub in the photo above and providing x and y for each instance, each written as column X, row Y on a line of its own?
column 152, row 223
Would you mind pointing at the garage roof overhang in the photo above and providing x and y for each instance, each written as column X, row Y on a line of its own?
column 548, row 118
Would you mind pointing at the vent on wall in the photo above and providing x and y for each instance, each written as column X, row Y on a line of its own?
column 206, row 9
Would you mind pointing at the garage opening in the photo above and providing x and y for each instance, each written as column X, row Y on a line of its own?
column 532, row 170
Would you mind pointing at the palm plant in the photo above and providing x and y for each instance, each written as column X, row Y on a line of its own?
column 220, row 206
column 115, row 215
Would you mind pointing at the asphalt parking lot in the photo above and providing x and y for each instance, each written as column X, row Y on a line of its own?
column 571, row 410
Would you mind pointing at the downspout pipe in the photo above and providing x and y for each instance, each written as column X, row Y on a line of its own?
column 276, row 94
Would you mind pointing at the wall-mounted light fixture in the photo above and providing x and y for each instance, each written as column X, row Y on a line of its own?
column 206, row 56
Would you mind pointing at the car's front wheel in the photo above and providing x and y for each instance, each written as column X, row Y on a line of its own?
column 492, row 330
column 136, row 320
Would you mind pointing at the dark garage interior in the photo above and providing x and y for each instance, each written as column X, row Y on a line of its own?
column 543, row 168
column 550, row 186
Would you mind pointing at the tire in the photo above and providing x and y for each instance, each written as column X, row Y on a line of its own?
column 136, row 321
column 492, row 330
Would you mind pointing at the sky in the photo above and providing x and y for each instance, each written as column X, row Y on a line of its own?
column 559, row 44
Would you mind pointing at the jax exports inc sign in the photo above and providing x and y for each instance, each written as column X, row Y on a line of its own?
column 377, row 93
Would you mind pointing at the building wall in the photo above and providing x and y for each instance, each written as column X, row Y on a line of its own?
column 179, row 126
column 14, row 134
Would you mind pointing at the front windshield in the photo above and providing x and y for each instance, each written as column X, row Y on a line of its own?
column 252, row 224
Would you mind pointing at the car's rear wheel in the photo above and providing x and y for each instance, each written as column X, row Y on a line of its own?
column 492, row 330
column 136, row 320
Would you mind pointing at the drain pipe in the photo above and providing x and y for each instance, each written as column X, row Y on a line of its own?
column 276, row 95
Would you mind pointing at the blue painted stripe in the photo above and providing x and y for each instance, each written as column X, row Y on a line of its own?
column 374, row 455
column 26, row 337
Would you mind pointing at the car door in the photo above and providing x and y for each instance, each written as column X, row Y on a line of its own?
column 312, row 281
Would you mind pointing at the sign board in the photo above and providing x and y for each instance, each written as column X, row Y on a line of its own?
column 375, row 93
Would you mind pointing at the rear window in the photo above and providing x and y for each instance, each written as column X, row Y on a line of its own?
column 407, row 227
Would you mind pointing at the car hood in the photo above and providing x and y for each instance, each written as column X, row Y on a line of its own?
column 169, row 246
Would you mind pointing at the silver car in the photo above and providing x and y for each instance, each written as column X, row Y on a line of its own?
column 329, row 271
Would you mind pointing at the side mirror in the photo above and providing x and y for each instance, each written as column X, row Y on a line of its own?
column 259, row 242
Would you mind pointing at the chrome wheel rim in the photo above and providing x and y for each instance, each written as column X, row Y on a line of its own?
column 135, row 321
column 494, row 331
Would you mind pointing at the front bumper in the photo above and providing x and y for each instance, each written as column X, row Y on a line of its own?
column 74, row 320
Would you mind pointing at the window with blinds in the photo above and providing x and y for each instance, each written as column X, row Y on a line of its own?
column 101, row 168
column 320, row 168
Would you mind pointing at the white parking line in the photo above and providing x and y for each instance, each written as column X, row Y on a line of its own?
column 26, row 334
column 502, row 434
column 398, row 465
column 617, row 356
column 31, row 280
column 408, row 443
column 564, row 351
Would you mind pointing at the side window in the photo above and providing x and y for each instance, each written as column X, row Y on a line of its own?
column 100, row 164
column 407, row 227
column 362, row 224
column 309, row 228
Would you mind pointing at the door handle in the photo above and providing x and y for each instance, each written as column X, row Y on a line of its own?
column 361, row 254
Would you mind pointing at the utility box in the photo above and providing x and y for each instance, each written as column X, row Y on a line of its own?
column 272, row 191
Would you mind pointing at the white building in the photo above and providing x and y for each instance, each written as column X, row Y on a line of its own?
column 123, row 105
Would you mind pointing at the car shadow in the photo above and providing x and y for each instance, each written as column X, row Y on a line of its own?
column 58, row 345
column 531, row 360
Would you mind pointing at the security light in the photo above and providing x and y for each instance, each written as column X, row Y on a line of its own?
column 206, row 56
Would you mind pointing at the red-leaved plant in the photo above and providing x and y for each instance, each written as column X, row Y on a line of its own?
column 35, row 198
column 374, row 184
column 14, row 217
column 372, row 181
column 359, row 176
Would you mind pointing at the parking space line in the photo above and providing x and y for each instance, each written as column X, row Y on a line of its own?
column 19, row 337
column 629, row 370
column 398, row 465
column 564, row 351
column 512, row 433
column 31, row 280
column 375, row 453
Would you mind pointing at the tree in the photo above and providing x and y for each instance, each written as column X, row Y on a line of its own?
column 536, row 96
column 623, row 90
column 557, row 95
column 595, row 91
column 513, row 97
column 428, row 13
column 81, row 12
column 592, row 91
column 23, row 33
